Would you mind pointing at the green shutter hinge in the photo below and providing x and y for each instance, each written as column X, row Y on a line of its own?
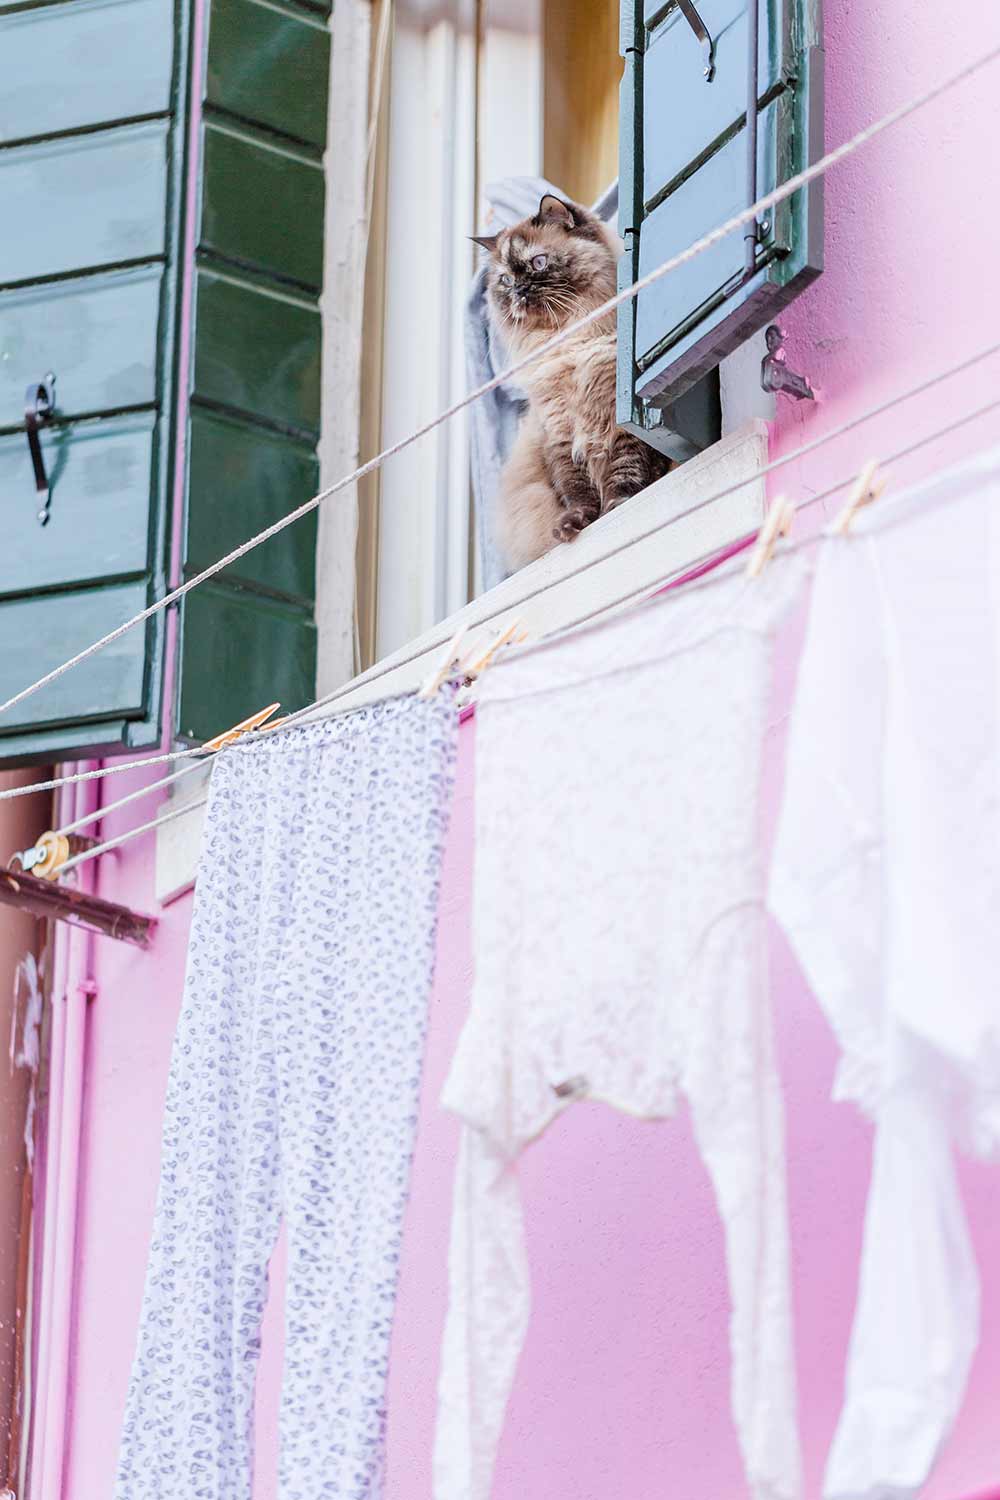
column 689, row 11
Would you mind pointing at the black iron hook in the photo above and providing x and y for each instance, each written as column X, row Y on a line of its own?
column 39, row 408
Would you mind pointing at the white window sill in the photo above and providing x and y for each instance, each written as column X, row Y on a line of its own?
column 619, row 560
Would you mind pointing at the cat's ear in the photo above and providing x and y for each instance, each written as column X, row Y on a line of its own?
column 488, row 241
column 552, row 210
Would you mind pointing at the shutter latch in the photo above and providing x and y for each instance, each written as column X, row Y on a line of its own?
column 39, row 408
column 774, row 372
column 689, row 11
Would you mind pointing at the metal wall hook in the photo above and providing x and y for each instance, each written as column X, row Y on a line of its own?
column 689, row 11
column 39, row 409
column 774, row 372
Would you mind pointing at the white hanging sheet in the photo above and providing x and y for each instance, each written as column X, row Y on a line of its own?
column 886, row 878
column 619, row 949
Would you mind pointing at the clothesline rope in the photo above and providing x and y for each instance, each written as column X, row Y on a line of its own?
column 586, row 623
column 737, row 221
column 632, row 541
column 143, row 791
column 199, row 752
column 132, row 833
column 643, row 595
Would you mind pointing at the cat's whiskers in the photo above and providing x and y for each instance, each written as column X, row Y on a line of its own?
column 554, row 302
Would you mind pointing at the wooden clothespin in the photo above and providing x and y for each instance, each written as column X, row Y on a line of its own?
column 513, row 632
column 868, row 488
column 246, row 726
column 777, row 522
column 446, row 662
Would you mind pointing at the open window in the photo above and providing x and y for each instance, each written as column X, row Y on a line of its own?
column 688, row 164
column 644, row 114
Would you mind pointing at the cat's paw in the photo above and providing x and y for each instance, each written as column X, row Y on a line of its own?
column 572, row 522
column 581, row 497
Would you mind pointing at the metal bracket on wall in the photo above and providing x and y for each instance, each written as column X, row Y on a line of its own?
column 689, row 11
column 62, row 903
column 39, row 408
column 774, row 372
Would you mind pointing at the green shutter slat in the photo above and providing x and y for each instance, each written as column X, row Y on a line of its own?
column 49, row 628
column 797, row 232
column 630, row 148
column 625, row 409
column 800, row 220
column 90, row 282
column 703, row 200
column 99, row 520
column 249, row 638
column 94, row 174
column 83, row 201
column 240, row 481
column 683, row 147
column 83, row 62
column 257, row 352
column 241, row 174
column 269, row 65
column 675, row 89
column 98, row 335
column 628, row 27
column 250, row 651
column 83, row 741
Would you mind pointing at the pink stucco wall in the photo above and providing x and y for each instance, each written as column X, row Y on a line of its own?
column 624, row 1383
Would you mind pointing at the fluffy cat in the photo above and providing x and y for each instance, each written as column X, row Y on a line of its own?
column 570, row 462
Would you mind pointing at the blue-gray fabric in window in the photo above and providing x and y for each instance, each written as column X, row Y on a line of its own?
column 494, row 418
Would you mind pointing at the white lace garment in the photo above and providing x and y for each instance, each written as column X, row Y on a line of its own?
column 619, row 955
column 887, row 880
column 293, row 1093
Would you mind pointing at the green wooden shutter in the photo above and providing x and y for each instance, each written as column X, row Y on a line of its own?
column 90, row 161
column 94, row 179
column 248, row 637
column 684, row 172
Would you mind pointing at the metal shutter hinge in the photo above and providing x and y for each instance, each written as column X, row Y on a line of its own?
column 689, row 11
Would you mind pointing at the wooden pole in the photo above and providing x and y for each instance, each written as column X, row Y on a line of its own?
column 62, row 903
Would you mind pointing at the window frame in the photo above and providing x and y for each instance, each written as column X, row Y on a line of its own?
column 558, row 595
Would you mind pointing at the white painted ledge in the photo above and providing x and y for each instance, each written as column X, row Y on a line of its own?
column 619, row 560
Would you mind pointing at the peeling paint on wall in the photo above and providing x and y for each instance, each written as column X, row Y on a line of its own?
column 24, row 1050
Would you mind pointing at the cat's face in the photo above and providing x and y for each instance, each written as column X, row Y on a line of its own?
column 549, row 269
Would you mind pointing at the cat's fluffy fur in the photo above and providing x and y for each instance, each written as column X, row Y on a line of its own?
column 570, row 462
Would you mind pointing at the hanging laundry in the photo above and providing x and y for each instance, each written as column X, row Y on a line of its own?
column 886, row 878
column 619, row 950
column 293, row 1092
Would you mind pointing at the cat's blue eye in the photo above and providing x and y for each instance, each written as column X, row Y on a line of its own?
column 539, row 262
column 506, row 279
